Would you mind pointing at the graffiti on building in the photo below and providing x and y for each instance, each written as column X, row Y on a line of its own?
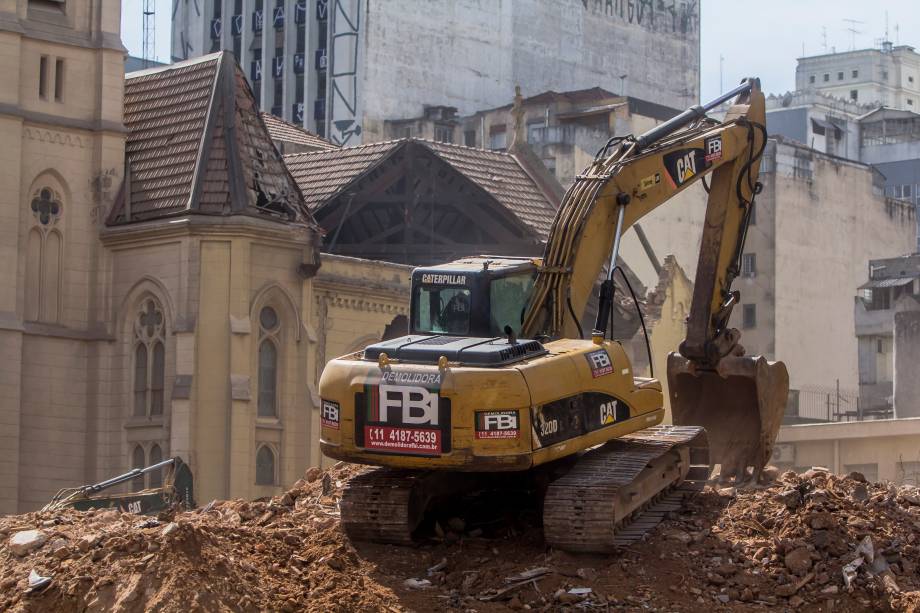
column 345, row 29
column 660, row 15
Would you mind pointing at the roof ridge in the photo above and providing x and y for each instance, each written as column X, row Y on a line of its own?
column 339, row 149
column 182, row 64
column 459, row 146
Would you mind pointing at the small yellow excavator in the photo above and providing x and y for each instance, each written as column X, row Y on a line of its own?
column 495, row 377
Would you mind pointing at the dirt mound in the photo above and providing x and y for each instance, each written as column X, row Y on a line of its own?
column 810, row 542
column 286, row 554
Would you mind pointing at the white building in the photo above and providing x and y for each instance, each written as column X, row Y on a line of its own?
column 342, row 67
column 889, row 76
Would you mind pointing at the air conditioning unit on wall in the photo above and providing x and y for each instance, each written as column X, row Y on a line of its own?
column 783, row 453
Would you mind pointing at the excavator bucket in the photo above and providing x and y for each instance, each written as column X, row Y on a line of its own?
column 741, row 405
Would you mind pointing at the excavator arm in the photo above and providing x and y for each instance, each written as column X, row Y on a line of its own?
column 637, row 177
column 739, row 400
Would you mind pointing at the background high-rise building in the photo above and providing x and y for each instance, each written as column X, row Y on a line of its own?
column 888, row 76
column 342, row 67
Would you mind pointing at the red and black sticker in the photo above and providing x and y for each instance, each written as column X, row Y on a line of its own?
column 684, row 164
column 402, row 412
column 599, row 362
column 497, row 424
column 713, row 147
column 330, row 414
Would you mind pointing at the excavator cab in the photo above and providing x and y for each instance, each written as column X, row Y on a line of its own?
column 476, row 297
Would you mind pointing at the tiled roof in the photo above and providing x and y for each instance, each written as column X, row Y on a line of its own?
column 501, row 175
column 576, row 96
column 323, row 175
column 196, row 144
column 283, row 131
column 165, row 112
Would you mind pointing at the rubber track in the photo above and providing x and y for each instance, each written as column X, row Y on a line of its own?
column 376, row 506
column 578, row 509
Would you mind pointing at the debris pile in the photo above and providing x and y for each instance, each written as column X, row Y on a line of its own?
column 284, row 554
column 811, row 542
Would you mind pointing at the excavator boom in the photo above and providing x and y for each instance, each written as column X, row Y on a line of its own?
column 739, row 400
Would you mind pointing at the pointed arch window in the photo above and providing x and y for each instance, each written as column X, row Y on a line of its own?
column 269, row 325
column 149, row 359
column 44, row 253
column 155, row 478
column 137, row 461
column 265, row 466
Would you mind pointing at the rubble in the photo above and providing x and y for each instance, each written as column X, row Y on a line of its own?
column 803, row 543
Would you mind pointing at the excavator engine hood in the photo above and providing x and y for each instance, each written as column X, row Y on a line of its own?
column 740, row 403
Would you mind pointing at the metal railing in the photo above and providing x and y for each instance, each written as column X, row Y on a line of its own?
column 812, row 404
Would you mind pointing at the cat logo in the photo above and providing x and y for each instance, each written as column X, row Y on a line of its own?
column 608, row 412
column 684, row 164
column 686, row 168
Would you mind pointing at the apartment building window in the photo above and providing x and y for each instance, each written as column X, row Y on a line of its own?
column 910, row 102
column 469, row 138
column 855, row 74
column 43, row 77
column 276, row 98
column 884, row 75
column 910, row 79
column 749, row 265
column 498, row 138
column 59, row 80
column 216, row 27
column 840, row 76
column 827, row 77
column 854, row 94
column 749, row 316
column 444, row 134
column 811, row 79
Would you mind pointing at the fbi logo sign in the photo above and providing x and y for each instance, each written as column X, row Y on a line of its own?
column 684, row 164
column 330, row 414
column 497, row 424
column 713, row 147
column 599, row 362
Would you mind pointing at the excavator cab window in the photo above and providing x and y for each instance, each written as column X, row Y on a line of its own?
column 443, row 310
column 508, row 298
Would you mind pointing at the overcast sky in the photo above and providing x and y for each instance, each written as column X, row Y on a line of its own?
column 761, row 38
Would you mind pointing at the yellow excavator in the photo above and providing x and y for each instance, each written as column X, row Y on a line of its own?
column 495, row 379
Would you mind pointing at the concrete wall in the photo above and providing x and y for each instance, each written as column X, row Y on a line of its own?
column 888, row 448
column 907, row 364
column 830, row 220
column 470, row 54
